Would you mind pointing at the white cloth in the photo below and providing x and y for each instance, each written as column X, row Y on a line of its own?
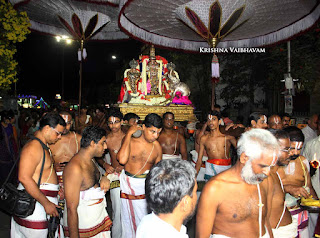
column 116, row 213
column 37, row 219
column 288, row 231
column 151, row 226
column 202, row 170
column 132, row 210
column 116, row 207
column 266, row 235
column 167, row 156
column 303, row 233
column 311, row 148
column 93, row 219
column 213, row 169
column 87, row 119
column 116, row 230
column 309, row 134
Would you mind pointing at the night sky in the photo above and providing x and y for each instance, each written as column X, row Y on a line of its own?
column 41, row 59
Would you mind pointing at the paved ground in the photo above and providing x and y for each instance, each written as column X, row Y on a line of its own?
column 4, row 225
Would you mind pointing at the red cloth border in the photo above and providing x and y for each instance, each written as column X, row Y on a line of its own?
column 220, row 161
column 203, row 164
column 49, row 193
column 103, row 226
column 131, row 197
column 37, row 225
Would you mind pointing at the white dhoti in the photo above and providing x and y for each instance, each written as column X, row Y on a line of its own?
column 288, row 231
column 202, row 170
column 93, row 219
column 301, row 217
column 116, row 230
column 216, row 166
column 167, row 156
column 133, row 202
column 35, row 225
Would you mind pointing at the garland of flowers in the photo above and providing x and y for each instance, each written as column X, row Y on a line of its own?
column 13, row 28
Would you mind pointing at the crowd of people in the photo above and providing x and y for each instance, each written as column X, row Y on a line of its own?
column 240, row 181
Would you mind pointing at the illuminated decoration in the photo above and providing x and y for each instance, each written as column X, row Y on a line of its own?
column 27, row 96
column 26, row 101
column 58, row 96
column 41, row 104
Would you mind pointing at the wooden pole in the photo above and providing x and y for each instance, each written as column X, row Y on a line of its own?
column 213, row 95
column 80, row 75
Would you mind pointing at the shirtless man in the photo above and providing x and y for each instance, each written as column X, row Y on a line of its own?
column 172, row 142
column 280, row 218
column 274, row 122
column 137, row 155
column 234, row 203
column 114, row 140
column 65, row 149
column 296, row 180
column 31, row 158
column 83, row 120
column 217, row 147
column 85, row 189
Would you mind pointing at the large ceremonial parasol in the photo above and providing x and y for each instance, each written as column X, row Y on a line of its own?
column 80, row 20
column 190, row 25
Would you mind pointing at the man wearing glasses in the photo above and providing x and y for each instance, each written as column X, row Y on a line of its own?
column 51, row 128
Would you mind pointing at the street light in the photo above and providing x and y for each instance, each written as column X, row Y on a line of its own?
column 65, row 39
column 113, row 57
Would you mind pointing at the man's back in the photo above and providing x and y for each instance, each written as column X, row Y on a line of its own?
column 66, row 148
column 32, row 155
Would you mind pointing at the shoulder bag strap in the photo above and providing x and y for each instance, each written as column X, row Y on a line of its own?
column 42, row 166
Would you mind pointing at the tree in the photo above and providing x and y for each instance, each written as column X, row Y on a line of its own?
column 13, row 28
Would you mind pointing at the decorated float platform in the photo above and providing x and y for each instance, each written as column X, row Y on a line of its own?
column 152, row 85
column 181, row 112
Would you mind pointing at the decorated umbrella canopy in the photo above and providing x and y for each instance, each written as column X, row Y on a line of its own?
column 189, row 25
column 44, row 16
column 81, row 20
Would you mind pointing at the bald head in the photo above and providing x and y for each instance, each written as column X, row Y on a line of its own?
column 313, row 121
column 274, row 122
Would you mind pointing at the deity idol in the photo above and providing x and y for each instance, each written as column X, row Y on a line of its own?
column 154, row 73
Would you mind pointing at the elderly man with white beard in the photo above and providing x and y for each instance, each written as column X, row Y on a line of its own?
column 235, row 203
